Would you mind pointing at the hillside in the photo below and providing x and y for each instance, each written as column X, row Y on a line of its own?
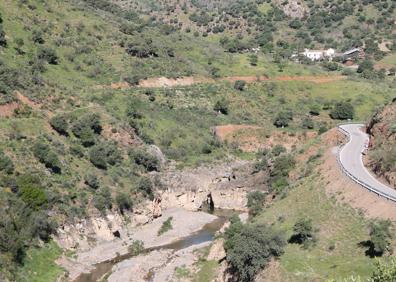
column 382, row 153
column 104, row 105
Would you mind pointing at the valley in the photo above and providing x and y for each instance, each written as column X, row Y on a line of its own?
column 197, row 140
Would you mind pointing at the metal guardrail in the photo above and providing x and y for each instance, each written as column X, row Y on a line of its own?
column 355, row 179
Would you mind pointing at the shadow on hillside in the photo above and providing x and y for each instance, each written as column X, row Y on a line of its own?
column 370, row 252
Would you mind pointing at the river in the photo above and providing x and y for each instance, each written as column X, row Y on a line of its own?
column 206, row 234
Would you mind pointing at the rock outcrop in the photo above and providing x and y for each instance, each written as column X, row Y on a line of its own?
column 382, row 153
column 227, row 186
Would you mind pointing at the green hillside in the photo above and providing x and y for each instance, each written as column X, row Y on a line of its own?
column 77, row 131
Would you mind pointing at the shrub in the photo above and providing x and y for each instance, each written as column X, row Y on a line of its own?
column 145, row 159
column 385, row 271
column 366, row 65
column 45, row 155
column 240, row 85
column 42, row 226
column 380, row 237
column 166, row 226
column 307, row 123
column 342, row 111
column 136, row 248
column 146, row 187
column 221, row 106
column 6, row 164
column 92, row 180
column 255, row 202
column 250, row 247
column 60, row 124
column 102, row 200
column 278, row 149
column 303, row 232
column 283, row 119
column 3, row 40
column 124, row 202
column 253, row 59
column 104, row 154
column 34, row 196
column 48, row 55
column 86, row 127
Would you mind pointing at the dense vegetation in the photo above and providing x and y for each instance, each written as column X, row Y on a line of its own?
column 75, row 146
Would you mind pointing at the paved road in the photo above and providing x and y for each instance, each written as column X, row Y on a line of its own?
column 351, row 160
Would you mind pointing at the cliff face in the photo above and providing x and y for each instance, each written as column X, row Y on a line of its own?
column 382, row 154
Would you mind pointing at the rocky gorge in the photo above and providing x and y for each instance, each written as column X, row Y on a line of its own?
column 100, row 244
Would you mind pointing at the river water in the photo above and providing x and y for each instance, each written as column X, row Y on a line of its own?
column 206, row 234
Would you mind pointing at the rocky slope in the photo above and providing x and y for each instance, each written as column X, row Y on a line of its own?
column 382, row 154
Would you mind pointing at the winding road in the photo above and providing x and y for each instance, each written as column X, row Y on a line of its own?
column 350, row 158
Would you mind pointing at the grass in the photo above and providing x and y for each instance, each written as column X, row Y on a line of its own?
column 340, row 227
column 166, row 226
column 40, row 264
column 207, row 271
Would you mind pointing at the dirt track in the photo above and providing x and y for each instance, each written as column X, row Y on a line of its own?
column 190, row 80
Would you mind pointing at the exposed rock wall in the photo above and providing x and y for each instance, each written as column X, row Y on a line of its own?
column 227, row 185
column 382, row 153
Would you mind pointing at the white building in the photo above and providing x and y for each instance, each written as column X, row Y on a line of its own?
column 317, row 55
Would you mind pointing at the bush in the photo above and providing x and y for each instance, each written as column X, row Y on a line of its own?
column 365, row 66
column 3, row 40
column 255, row 202
column 240, row 85
column 92, row 180
column 102, row 200
column 86, row 127
column 342, row 111
column 104, row 154
column 124, row 202
column 146, row 187
column 34, row 196
column 60, row 124
column 48, row 55
column 250, row 247
column 303, row 232
column 6, row 164
column 221, row 106
column 278, row 149
column 45, row 155
column 42, row 226
column 380, row 237
column 136, row 248
column 166, row 226
column 145, row 159
column 283, row 119
column 307, row 123
column 385, row 271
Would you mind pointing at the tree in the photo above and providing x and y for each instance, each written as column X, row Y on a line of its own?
column 60, row 124
column 342, row 111
column 221, row 106
column 255, row 202
column 240, row 85
column 250, row 247
column 6, row 163
column 303, row 232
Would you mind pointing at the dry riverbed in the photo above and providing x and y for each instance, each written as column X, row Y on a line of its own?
column 184, row 223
